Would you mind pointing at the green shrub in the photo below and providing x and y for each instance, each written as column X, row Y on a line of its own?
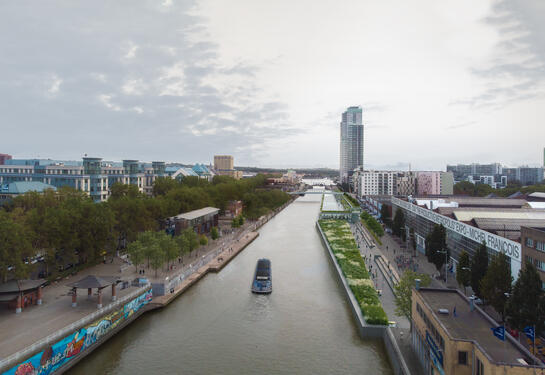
column 348, row 257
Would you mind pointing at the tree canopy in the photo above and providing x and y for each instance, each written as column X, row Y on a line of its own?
column 66, row 227
column 479, row 266
column 496, row 284
column 463, row 271
column 436, row 245
column 403, row 292
column 526, row 306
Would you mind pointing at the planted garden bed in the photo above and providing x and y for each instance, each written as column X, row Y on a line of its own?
column 348, row 257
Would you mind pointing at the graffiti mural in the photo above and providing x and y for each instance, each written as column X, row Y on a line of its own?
column 61, row 352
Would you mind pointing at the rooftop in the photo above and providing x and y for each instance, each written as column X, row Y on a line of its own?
column 196, row 213
column 21, row 187
column 469, row 214
column 473, row 325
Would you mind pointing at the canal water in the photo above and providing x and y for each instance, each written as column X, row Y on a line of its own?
column 219, row 327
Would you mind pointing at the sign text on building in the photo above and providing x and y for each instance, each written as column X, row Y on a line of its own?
column 500, row 244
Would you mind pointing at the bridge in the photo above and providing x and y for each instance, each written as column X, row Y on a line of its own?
column 315, row 192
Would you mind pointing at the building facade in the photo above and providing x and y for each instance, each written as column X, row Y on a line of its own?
column 223, row 162
column 92, row 175
column 351, row 143
column 434, row 183
column 533, row 249
column 460, row 236
column 4, row 157
column 452, row 336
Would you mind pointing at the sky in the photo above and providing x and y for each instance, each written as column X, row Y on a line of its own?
column 440, row 82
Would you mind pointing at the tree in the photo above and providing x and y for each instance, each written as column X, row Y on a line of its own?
column 136, row 253
column 203, row 241
column 191, row 238
column 497, row 282
column 479, row 266
column 214, row 233
column 463, row 272
column 399, row 223
column 157, row 256
column 385, row 215
column 526, row 305
column 403, row 292
column 168, row 246
column 436, row 246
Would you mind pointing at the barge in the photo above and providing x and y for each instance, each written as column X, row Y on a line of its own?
column 262, row 283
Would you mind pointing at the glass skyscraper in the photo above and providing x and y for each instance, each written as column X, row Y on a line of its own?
column 351, row 142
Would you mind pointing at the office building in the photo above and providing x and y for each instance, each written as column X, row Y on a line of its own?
column 452, row 336
column 351, row 143
column 92, row 175
column 434, row 183
column 13, row 189
column 223, row 162
column 224, row 165
column 462, row 171
column 367, row 183
column 405, row 183
column 4, row 157
column 533, row 249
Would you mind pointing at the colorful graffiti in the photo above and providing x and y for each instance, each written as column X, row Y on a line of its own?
column 58, row 354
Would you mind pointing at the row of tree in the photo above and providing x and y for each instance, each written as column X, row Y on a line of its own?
column 66, row 227
column 482, row 190
column 157, row 249
column 520, row 304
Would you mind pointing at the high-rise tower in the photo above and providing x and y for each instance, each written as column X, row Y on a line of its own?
column 351, row 142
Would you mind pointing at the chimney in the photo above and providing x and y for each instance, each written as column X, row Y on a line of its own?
column 417, row 284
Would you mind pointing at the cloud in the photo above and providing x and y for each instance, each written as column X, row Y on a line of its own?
column 153, row 81
column 516, row 70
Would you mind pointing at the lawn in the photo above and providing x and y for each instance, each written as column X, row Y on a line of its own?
column 346, row 252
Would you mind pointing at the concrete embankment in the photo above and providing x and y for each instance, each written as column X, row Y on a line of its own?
column 365, row 330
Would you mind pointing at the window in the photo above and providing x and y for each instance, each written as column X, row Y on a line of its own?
column 529, row 242
column 480, row 367
column 462, row 358
column 540, row 246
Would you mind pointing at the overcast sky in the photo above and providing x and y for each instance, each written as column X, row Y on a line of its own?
column 266, row 81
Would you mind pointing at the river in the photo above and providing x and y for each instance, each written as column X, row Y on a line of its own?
column 219, row 327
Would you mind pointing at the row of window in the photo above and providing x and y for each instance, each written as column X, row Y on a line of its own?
column 539, row 245
column 431, row 327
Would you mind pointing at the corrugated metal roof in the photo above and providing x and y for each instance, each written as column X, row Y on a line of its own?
column 537, row 195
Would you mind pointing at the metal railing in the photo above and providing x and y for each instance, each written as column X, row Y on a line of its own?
column 54, row 337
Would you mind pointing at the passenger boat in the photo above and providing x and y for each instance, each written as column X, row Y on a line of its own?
column 263, row 277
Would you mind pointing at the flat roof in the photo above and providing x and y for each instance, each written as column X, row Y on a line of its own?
column 472, row 325
column 196, row 213
column 507, row 213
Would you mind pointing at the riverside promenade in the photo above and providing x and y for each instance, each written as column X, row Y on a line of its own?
column 20, row 331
